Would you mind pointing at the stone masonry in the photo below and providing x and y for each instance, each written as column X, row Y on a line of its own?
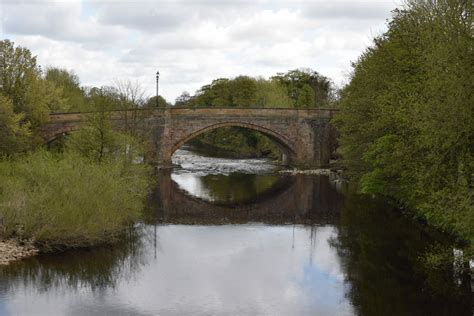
column 304, row 136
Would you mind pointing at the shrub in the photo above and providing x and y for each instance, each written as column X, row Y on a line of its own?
column 68, row 201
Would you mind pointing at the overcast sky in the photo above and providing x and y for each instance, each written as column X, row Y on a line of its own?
column 192, row 42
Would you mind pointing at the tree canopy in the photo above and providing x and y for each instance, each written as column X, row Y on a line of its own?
column 407, row 115
column 296, row 88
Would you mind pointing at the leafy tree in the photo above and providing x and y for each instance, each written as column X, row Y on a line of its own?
column 218, row 94
column 295, row 80
column 243, row 92
column 157, row 101
column 71, row 91
column 406, row 121
column 13, row 133
column 18, row 69
column 271, row 94
column 21, row 82
column 97, row 139
column 305, row 97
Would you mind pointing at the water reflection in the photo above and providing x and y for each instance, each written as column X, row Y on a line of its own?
column 285, row 245
column 280, row 200
column 232, row 269
column 382, row 254
column 96, row 268
column 225, row 189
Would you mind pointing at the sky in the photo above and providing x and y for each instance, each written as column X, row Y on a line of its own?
column 192, row 42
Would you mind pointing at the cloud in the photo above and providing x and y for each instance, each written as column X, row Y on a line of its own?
column 341, row 9
column 192, row 42
column 62, row 21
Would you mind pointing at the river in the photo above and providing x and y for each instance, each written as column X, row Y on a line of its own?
column 235, row 237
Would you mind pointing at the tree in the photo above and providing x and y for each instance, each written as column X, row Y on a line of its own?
column 295, row 80
column 183, row 99
column 97, row 140
column 243, row 91
column 271, row 94
column 406, row 120
column 71, row 91
column 21, row 82
column 305, row 97
column 157, row 101
column 14, row 134
column 131, row 94
column 18, row 69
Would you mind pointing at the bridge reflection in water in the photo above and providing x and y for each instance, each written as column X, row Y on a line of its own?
column 296, row 199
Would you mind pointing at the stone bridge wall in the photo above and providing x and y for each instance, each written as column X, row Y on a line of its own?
column 304, row 136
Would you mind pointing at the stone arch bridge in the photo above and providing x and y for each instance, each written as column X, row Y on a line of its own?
column 304, row 136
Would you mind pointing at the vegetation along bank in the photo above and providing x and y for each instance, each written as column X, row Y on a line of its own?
column 406, row 118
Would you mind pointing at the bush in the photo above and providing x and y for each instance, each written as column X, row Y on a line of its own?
column 68, row 201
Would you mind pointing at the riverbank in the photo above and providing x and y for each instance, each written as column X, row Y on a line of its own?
column 65, row 202
column 12, row 250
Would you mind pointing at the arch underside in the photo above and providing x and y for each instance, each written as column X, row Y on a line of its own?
column 59, row 135
column 281, row 141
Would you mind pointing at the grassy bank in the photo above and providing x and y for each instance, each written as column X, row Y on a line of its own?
column 68, row 201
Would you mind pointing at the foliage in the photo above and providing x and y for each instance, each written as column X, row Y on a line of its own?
column 297, row 88
column 89, row 193
column 299, row 81
column 271, row 94
column 68, row 201
column 18, row 69
column 20, row 80
column 157, row 101
column 99, row 142
column 32, row 97
column 235, row 142
column 407, row 116
column 13, row 133
column 71, row 92
column 306, row 97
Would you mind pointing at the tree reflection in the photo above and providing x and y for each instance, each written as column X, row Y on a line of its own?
column 382, row 251
column 261, row 198
column 97, row 268
column 237, row 187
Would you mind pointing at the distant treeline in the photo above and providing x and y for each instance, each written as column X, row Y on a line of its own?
column 299, row 88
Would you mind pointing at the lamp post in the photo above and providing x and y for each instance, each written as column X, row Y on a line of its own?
column 157, row 80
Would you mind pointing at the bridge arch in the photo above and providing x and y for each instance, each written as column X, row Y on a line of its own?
column 305, row 136
column 282, row 142
column 59, row 134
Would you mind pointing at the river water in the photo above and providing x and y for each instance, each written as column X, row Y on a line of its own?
column 235, row 237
